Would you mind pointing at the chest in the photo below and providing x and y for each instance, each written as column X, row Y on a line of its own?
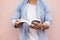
column 37, row 10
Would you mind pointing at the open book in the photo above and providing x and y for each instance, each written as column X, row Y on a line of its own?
column 29, row 22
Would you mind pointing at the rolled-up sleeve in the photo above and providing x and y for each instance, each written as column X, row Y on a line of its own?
column 16, row 15
column 47, row 17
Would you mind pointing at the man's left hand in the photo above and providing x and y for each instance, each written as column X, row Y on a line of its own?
column 38, row 26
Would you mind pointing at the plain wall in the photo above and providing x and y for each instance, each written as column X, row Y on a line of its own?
column 6, row 11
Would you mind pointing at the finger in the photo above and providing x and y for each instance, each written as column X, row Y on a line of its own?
column 39, row 25
column 32, row 25
column 18, row 20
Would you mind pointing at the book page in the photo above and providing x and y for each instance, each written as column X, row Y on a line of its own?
column 29, row 22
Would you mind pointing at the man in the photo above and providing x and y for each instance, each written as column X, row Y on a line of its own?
column 31, row 10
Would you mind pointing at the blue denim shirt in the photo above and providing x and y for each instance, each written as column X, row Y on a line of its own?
column 43, row 14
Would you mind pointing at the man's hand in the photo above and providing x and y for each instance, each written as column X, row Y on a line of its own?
column 36, row 24
column 18, row 22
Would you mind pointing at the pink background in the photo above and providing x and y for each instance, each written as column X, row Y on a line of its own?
column 6, row 12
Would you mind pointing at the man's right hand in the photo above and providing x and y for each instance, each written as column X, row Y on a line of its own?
column 18, row 23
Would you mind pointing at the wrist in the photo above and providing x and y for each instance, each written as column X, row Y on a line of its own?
column 45, row 26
